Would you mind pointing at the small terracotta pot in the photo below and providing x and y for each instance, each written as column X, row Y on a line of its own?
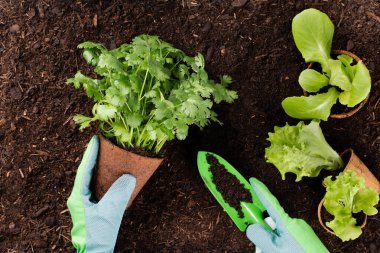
column 353, row 163
column 355, row 109
column 113, row 162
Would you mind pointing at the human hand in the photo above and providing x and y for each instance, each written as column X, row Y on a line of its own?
column 96, row 225
column 290, row 235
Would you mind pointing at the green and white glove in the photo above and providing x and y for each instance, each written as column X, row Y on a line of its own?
column 290, row 236
column 96, row 225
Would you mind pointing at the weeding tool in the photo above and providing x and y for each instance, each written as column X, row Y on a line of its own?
column 253, row 211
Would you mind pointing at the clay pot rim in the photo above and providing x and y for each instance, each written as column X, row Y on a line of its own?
column 355, row 109
column 101, row 136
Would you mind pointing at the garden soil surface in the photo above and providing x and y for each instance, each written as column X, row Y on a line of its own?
column 41, row 148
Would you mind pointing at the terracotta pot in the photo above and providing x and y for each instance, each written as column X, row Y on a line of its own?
column 113, row 162
column 355, row 109
column 353, row 162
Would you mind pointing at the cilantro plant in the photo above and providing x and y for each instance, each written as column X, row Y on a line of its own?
column 148, row 92
column 302, row 150
column 345, row 195
column 313, row 33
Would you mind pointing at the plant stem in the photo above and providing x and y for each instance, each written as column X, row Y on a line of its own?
column 142, row 88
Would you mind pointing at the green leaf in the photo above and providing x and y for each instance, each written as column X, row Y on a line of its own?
column 311, row 107
column 200, row 61
column 365, row 201
column 92, row 45
column 133, row 120
column 91, row 86
column 121, row 51
column 181, row 130
column 157, row 70
column 108, row 61
column 121, row 132
column 301, row 150
column 92, row 51
column 163, row 111
column 225, row 80
column 313, row 32
column 312, row 81
column 221, row 94
column 345, row 228
column 345, row 195
column 339, row 76
column 347, row 60
column 104, row 112
column 91, row 57
column 149, row 92
column 82, row 120
column 114, row 96
column 360, row 88
column 79, row 79
column 312, row 136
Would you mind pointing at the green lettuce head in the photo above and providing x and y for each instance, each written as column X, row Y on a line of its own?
column 302, row 150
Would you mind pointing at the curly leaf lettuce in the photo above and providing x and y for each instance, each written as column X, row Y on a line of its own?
column 345, row 195
column 311, row 107
column 302, row 150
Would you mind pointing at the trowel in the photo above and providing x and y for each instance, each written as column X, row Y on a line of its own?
column 254, row 212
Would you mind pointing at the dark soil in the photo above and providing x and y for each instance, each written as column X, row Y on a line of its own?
column 232, row 190
column 41, row 147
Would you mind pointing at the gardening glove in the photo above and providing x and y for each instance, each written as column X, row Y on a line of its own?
column 290, row 235
column 96, row 225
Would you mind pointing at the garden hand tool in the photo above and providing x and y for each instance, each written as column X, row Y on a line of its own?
column 96, row 225
column 253, row 211
column 290, row 236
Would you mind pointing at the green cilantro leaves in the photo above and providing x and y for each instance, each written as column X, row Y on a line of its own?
column 148, row 92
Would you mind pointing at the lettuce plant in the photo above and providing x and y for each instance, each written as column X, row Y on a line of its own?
column 345, row 195
column 148, row 92
column 302, row 150
column 313, row 33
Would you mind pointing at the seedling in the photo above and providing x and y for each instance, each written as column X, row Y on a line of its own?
column 345, row 196
column 148, row 92
column 313, row 33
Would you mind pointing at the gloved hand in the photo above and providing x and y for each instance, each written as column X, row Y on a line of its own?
column 290, row 236
column 96, row 225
